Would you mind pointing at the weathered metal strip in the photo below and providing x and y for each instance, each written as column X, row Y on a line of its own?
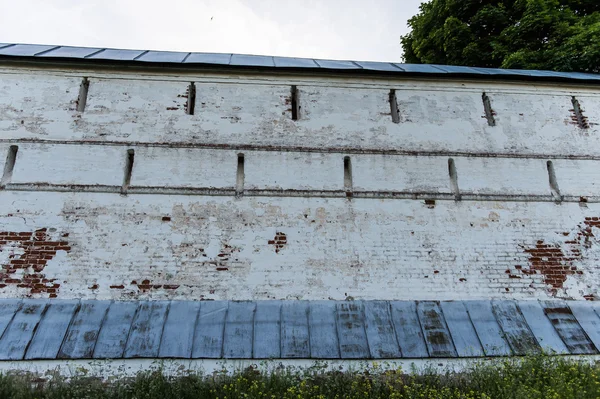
column 294, row 330
column 267, row 330
column 464, row 336
column 115, row 330
column 8, row 308
column 146, row 330
column 17, row 335
column 81, row 336
column 437, row 337
column 239, row 330
column 568, row 328
column 351, row 330
column 488, row 330
column 208, row 339
column 51, row 330
column 324, row 343
column 379, row 327
column 178, row 334
column 516, row 330
column 408, row 329
column 587, row 319
column 542, row 328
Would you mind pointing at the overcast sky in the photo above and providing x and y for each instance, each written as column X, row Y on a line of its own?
column 336, row 29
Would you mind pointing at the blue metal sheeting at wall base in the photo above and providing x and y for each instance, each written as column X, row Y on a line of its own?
column 49, row 52
column 93, row 329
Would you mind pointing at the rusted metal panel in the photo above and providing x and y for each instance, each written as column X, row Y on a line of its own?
column 466, row 341
column 146, row 330
column 488, row 330
column 516, row 331
column 383, row 343
column 115, row 330
column 588, row 320
column 294, row 330
column 324, row 342
column 408, row 329
column 568, row 328
column 435, row 331
column 267, row 330
column 51, row 330
column 81, row 336
column 17, row 335
column 351, row 330
column 542, row 328
column 8, row 308
column 239, row 330
column 208, row 340
column 178, row 333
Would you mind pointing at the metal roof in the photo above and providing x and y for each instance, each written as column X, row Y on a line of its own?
column 48, row 52
column 73, row 329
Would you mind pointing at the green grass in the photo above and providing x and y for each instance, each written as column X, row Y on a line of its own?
column 532, row 377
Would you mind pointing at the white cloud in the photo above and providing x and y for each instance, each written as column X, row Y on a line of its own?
column 338, row 29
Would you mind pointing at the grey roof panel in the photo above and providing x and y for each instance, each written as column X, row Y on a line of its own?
column 208, row 339
column 25, row 50
column 208, row 58
column 436, row 334
column 324, row 342
column 70, row 52
column 117, row 55
column 464, row 336
column 351, row 331
column 74, row 329
column 378, row 66
column 542, row 328
column 239, row 330
column 568, row 328
column 516, row 331
column 18, row 334
column 82, row 334
column 333, row 64
column 252, row 60
column 379, row 327
column 146, row 330
column 488, row 330
column 419, row 68
column 113, row 335
column 288, row 62
column 49, row 335
column 163, row 56
column 460, row 69
column 408, row 329
column 178, row 332
column 294, row 330
column 267, row 330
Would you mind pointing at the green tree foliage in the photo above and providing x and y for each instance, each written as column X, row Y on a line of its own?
column 560, row 35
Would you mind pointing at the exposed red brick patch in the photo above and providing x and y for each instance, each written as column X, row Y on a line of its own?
column 147, row 285
column 279, row 241
column 555, row 262
column 589, row 297
column 25, row 269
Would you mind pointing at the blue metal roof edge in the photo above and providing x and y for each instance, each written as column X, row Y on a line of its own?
column 245, row 60
column 371, row 329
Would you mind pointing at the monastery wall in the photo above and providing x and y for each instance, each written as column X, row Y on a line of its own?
column 135, row 184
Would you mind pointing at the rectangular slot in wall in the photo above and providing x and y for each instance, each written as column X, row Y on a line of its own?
column 295, row 104
column 395, row 112
column 9, row 166
column 190, row 105
column 348, row 176
column 453, row 178
column 128, row 170
column 83, row 94
column 489, row 112
column 239, row 185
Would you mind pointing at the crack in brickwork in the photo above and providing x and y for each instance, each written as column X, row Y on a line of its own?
column 279, row 241
column 24, row 270
column 556, row 262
